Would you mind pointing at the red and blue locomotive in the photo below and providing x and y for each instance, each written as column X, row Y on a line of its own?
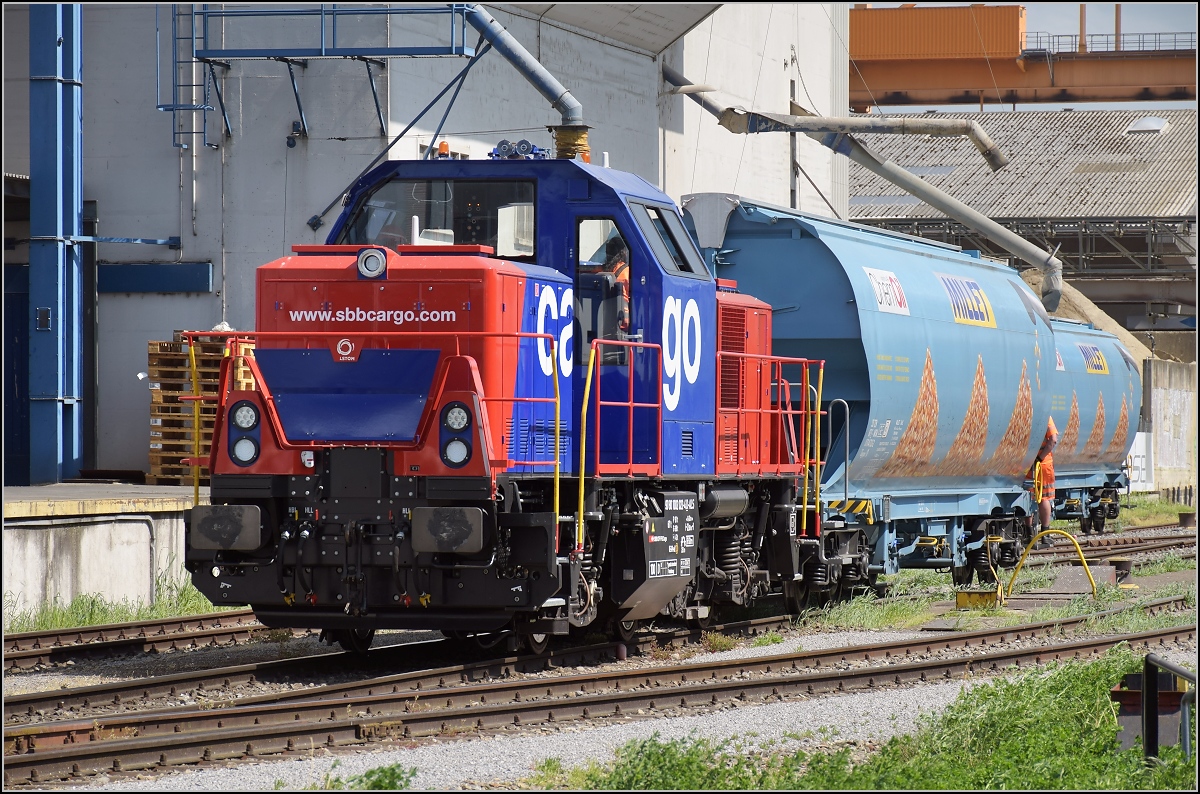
column 458, row 415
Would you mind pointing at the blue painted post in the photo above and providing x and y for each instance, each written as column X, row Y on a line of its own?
column 55, row 268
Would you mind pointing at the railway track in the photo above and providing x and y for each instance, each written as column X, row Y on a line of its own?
column 29, row 649
column 1105, row 548
column 486, row 695
column 221, row 685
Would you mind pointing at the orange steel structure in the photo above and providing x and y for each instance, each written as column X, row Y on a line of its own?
column 947, row 55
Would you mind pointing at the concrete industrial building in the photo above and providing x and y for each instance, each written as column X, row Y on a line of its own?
column 247, row 196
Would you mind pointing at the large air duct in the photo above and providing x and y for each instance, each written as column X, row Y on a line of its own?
column 834, row 133
column 570, row 138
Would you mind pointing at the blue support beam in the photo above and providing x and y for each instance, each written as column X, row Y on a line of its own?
column 55, row 266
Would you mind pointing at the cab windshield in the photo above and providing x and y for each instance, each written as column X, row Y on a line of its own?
column 494, row 213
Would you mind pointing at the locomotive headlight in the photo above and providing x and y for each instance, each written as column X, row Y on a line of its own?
column 245, row 415
column 456, row 417
column 245, row 451
column 372, row 262
column 456, row 452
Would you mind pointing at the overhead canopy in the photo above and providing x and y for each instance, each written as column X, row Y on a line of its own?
column 648, row 29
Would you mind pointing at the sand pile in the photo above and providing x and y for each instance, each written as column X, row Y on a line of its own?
column 1074, row 306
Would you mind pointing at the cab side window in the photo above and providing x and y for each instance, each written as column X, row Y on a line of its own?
column 670, row 241
column 604, row 278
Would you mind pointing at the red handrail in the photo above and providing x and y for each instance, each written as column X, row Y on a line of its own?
column 628, row 468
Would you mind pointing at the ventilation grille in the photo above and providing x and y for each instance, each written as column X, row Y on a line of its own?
column 731, row 339
column 534, row 440
column 687, row 446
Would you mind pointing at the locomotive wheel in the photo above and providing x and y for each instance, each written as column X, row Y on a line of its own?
column 355, row 640
column 536, row 643
column 625, row 630
column 795, row 597
column 706, row 621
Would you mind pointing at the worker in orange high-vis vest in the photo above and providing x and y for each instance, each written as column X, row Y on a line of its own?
column 1045, row 499
column 616, row 261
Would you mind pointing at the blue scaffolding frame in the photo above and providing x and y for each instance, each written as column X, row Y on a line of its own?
column 193, row 41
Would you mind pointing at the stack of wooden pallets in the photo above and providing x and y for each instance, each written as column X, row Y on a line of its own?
column 172, row 421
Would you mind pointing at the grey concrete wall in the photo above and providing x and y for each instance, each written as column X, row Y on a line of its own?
column 1171, row 388
column 119, row 557
column 751, row 53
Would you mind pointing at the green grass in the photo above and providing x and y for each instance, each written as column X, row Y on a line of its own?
column 1147, row 510
column 770, row 638
column 175, row 598
column 1168, row 563
column 1054, row 728
column 382, row 778
column 714, row 642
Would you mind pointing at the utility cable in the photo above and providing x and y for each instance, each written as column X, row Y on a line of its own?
column 800, row 168
column 315, row 221
column 700, row 121
column 846, row 47
column 986, row 59
column 754, row 98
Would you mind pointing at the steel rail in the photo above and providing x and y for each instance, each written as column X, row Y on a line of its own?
column 214, row 684
column 355, row 723
column 65, row 637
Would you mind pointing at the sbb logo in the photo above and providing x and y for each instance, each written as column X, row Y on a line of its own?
column 681, row 347
column 546, row 305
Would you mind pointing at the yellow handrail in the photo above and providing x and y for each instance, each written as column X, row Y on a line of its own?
column 587, row 391
column 1040, row 535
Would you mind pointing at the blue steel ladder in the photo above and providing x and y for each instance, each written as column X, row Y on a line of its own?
column 185, row 104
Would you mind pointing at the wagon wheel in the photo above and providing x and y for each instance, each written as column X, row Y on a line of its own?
column 827, row 597
column 962, row 576
column 1085, row 526
column 1098, row 524
column 625, row 630
column 355, row 640
column 536, row 643
column 979, row 561
column 795, row 597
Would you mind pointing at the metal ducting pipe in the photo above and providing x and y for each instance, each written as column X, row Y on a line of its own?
column 833, row 133
column 570, row 137
column 743, row 121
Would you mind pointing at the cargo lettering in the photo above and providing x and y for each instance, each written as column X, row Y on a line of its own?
column 681, row 347
column 967, row 301
column 547, row 305
column 1093, row 359
column 889, row 295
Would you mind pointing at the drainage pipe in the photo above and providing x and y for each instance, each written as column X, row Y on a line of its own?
column 835, row 134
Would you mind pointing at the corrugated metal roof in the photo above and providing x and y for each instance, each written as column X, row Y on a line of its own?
column 649, row 28
column 1064, row 164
